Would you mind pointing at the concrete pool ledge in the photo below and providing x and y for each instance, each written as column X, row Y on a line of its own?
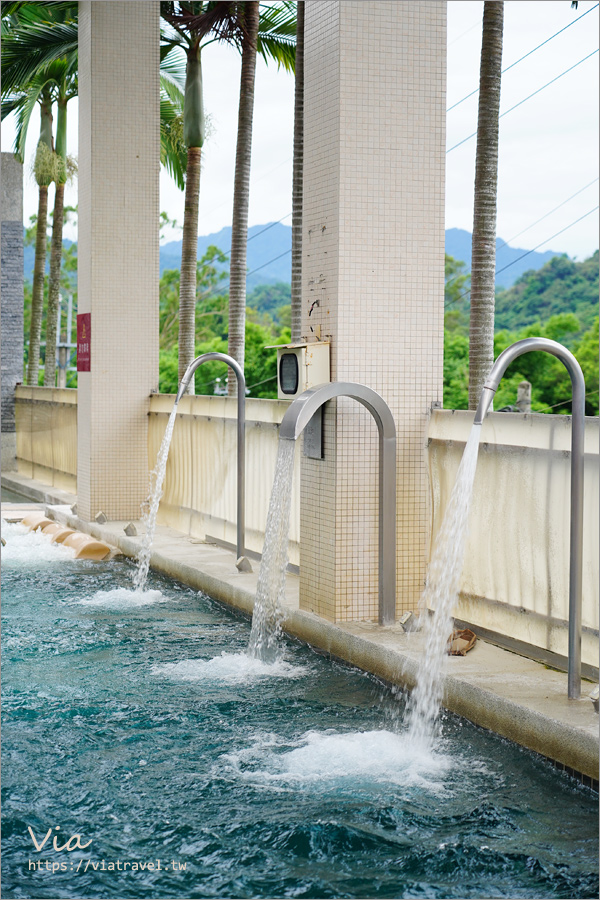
column 518, row 698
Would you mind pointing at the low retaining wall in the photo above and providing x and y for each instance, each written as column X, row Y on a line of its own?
column 515, row 579
column 200, row 489
column 46, row 423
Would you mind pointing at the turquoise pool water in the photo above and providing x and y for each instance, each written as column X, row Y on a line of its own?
column 146, row 730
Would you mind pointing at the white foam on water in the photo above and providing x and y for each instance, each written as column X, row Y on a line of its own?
column 333, row 759
column 440, row 596
column 267, row 614
column 31, row 547
column 232, row 668
column 123, row 598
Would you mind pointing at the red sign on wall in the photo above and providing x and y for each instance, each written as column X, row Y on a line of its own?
column 84, row 341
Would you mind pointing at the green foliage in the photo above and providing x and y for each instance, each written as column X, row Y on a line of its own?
column 273, row 299
column 260, row 366
column 211, row 305
column 456, row 370
column 212, row 318
column 560, row 285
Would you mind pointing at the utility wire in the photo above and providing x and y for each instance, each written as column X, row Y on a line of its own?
column 520, row 103
column 562, row 402
column 512, row 65
column 545, row 216
column 461, row 296
column 546, row 241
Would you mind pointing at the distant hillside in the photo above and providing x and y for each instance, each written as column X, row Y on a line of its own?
column 560, row 286
column 458, row 245
column 269, row 254
column 265, row 243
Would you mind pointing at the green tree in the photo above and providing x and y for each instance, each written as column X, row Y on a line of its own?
column 194, row 25
column 249, row 14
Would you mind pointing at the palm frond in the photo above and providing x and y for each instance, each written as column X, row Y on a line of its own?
column 277, row 34
column 173, row 153
column 27, row 49
column 172, row 75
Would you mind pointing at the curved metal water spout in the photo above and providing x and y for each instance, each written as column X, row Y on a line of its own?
column 241, row 431
column 297, row 418
column 577, row 449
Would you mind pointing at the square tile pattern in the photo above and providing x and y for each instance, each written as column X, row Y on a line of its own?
column 373, row 282
column 118, row 237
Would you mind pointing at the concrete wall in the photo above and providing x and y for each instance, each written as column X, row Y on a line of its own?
column 47, row 435
column 12, row 301
column 516, row 572
column 515, row 578
column 200, row 489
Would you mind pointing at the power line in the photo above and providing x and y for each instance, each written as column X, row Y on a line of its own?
column 562, row 402
column 461, row 296
column 545, row 216
column 546, row 241
column 520, row 103
column 512, row 65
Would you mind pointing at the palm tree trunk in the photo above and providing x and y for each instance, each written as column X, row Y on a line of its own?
column 189, row 258
column 54, row 287
column 483, row 255
column 297, row 179
column 37, row 296
column 241, row 194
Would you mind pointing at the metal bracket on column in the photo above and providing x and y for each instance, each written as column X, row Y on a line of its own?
column 313, row 436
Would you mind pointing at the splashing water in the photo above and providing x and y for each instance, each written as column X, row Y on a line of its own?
column 157, row 477
column 266, row 618
column 440, row 595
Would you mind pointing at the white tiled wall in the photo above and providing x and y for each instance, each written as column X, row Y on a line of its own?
column 373, row 280
column 118, row 249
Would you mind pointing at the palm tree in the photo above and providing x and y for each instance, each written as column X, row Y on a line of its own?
column 241, row 191
column 196, row 25
column 297, row 179
column 67, row 89
column 39, row 62
column 271, row 33
column 483, row 254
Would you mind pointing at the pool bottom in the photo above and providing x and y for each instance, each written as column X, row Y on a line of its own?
column 143, row 729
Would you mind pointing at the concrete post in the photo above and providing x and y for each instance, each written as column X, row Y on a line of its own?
column 524, row 397
column 12, row 302
column 373, row 282
column 118, row 250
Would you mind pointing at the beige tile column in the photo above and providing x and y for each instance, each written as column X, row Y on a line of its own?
column 373, row 281
column 118, row 250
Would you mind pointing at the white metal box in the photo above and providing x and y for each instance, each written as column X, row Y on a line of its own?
column 300, row 367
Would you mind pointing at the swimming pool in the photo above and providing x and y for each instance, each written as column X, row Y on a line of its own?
column 146, row 730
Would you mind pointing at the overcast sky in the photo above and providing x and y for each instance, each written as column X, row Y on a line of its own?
column 548, row 145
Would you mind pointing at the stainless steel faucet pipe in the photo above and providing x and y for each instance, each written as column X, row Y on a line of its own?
column 297, row 417
column 577, row 450
column 241, row 432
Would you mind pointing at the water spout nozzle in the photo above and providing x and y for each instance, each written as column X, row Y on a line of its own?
column 180, row 392
column 485, row 401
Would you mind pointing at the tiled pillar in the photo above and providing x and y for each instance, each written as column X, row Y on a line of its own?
column 373, row 282
column 118, row 250
column 12, row 302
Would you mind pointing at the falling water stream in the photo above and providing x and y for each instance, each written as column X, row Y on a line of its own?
column 157, row 477
column 266, row 619
column 440, row 596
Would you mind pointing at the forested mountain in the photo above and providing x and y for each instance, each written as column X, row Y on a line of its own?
column 515, row 259
column 560, row 286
